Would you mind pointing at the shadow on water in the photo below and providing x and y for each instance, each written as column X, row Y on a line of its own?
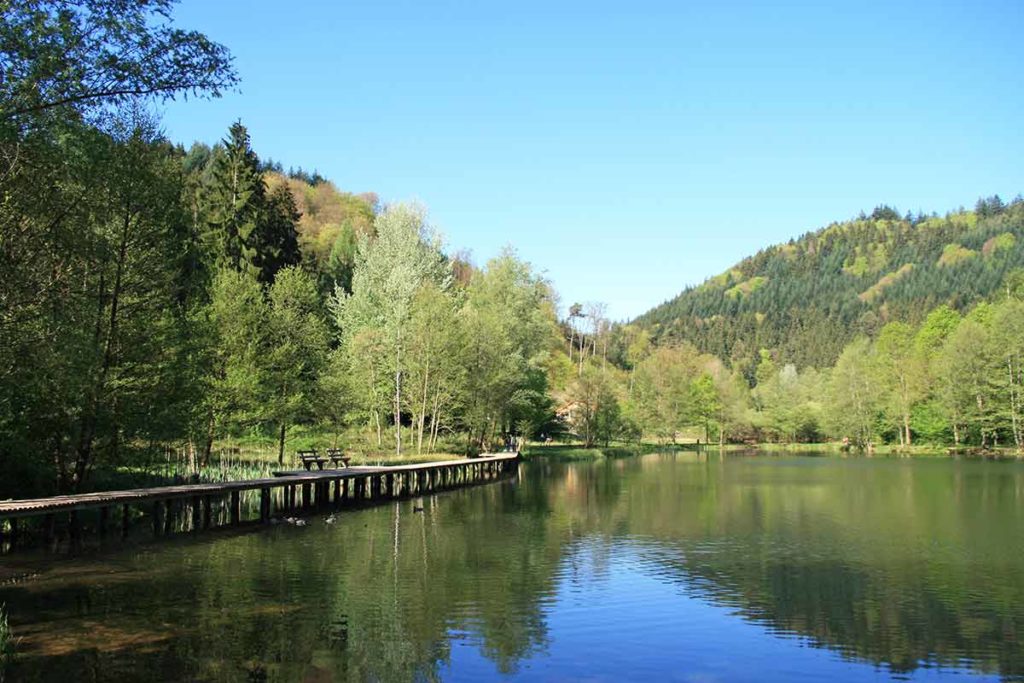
column 907, row 566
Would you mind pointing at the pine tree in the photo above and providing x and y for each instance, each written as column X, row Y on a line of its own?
column 233, row 201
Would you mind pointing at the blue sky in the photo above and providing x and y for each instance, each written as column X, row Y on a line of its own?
column 628, row 150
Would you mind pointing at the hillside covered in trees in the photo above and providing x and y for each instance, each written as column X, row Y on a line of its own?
column 806, row 299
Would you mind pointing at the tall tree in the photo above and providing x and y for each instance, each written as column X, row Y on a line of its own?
column 389, row 273
column 900, row 374
column 233, row 201
column 297, row 352
column 852, row 398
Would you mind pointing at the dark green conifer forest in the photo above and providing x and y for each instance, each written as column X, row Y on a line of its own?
column 809, row 297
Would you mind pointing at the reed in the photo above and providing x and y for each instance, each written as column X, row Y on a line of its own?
column 6, row 643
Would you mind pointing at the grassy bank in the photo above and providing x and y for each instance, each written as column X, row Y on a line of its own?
column 256, row 457
column 571, row 451
column 581, row 452
column 894, row 450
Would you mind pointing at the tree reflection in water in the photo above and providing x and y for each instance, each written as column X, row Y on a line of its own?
column 895, row 563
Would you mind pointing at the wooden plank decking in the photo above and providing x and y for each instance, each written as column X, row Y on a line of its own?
column 40, row 506
column 170, row 507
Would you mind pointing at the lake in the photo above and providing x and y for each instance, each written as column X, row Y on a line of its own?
column 668, row 566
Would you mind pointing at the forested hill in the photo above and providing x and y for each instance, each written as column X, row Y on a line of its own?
column 807, row 298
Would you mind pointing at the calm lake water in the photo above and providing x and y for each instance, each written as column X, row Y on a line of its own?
column 664, row 567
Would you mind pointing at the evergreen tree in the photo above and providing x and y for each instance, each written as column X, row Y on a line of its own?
column 234, row 199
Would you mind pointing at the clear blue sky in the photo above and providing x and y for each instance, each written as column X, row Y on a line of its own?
column 628, row 149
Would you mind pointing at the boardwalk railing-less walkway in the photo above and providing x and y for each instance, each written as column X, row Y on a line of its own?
column 170, row 506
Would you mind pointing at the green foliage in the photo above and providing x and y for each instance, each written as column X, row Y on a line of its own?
column 83, row 56
column 248, row 228
column 297, row 351
column 746, row 287
column 815, row 294
column 1002, row 243
column 955, row 254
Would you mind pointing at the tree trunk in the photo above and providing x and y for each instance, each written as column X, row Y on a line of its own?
column 435, row 417
column 423, row 407
column 208, row 446
column 1014, row 407
column 280, row 444
column 398, row 400
column 87, row 433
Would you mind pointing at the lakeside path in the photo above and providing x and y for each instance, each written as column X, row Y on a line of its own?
column 319, row 488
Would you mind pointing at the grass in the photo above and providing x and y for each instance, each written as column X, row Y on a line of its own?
column 577, row 451
column 256, row 457
column 916, row 450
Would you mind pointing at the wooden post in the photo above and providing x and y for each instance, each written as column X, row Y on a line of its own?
column 125, row 520
column 196, row 512
column 13, row 521
column 158, row 513
column 391, row 485
column 207, row 511
column 104, row 517
column 305, row 494
column 74, row 530
column 337, row 492
column 169, row 516
column 236, row 507
column 49, row 522
column 265, row 504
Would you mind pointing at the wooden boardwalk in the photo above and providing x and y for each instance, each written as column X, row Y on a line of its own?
column 319, row 489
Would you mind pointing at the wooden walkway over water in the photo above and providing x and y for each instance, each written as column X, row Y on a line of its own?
column 195, row 505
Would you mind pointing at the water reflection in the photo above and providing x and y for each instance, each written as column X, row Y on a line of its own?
column 667, row 565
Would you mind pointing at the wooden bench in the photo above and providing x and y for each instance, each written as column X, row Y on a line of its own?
column 338, row 457
column 310, row 458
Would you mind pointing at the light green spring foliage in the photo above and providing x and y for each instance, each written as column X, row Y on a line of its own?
column 389, row 272
column 852, row 398
column 955, row 254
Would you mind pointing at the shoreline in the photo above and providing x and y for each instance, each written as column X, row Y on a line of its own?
column 570, row 451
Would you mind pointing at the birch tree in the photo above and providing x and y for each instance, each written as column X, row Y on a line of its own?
column 388, row 274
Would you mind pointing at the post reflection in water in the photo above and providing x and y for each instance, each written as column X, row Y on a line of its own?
column 674, row 566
